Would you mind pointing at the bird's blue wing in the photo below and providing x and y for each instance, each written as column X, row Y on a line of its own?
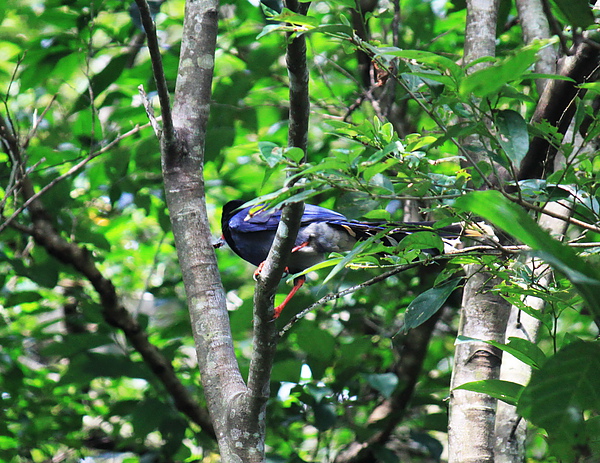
column 255, row 218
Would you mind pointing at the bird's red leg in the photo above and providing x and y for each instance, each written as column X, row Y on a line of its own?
column 298, row 282
column 258, row 270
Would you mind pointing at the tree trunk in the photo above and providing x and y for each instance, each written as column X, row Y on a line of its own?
column 484, row 315
column 472, row 415
column 510, row 428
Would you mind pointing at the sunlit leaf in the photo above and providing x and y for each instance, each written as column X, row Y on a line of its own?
column 506, row 391
column 493, row 206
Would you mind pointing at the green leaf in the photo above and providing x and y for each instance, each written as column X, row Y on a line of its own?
column 287, row 369
column 385, row 383
column 348, row 258
column 148, row 416
column 507, row 391
column 561, row 391
column 294, row 154
column 290, row 17
column 578, row 12
column 512, row 135
column 493, row 206
column 422, row 240
column 488, row 81
column 101, row 81
column 73, row 344
column 426, row 304
column 524, row 350
column 325, row 416
column 434, row 60
column 270, row 152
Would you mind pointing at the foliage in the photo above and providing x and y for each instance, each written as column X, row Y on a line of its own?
column 72, row 384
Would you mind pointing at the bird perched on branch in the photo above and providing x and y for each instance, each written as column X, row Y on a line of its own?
column 250, row 231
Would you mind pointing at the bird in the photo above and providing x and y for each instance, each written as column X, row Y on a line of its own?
column 249, row 231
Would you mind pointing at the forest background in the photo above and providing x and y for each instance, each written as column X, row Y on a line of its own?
column 401, row 110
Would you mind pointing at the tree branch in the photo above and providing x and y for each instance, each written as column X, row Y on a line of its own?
column 535, row 26
column 483, row 314
column 265, row 332
column 158, row 71
column 557, row 106
column 113, row 309
column 73, row 170
column 182, row 166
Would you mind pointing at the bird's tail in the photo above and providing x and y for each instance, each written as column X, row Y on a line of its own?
column 397, row 231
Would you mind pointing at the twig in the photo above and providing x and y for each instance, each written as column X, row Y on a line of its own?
column 352, row 289
column 149, row 111
column 36, row 123
column 158, row 71
column 468, row 251
column 13, row 185
column 77, row 167
column 556, row 215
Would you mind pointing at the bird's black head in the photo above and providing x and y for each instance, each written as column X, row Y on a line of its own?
column 229, row 210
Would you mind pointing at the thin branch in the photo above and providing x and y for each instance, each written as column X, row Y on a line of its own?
column 14, row 184
column 82, row 260
column 149, row 111
column 76, row 168
column 356, row 40
column 344, row 292
column 158, row 71
column 265, row 332
column 556, row 215
column 36, row 122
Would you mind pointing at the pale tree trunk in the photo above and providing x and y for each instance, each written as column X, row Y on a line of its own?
column 510, row 432
column 484, row 315
column 183, row 156
column 472, row 415
column 534, row 25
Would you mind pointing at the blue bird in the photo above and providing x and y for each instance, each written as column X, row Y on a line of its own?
column 250, row 231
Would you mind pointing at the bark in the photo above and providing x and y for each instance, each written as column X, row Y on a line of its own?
column 510, row 429
column 480, row 30
column 237, row 410
column 557, row 106
column 182, row 160
column 534, row 25
column 484, row 315
column 471, row 421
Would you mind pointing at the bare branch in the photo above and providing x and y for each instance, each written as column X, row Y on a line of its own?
column 36, row 122
column 352, row 289
column 158, row 71
column 265, row 332
column 149, row 111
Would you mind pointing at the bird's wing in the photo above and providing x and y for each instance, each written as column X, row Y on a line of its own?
column 255, row 218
